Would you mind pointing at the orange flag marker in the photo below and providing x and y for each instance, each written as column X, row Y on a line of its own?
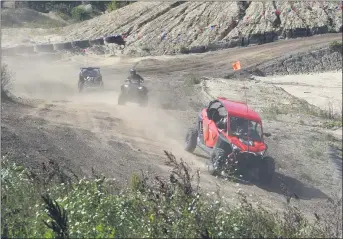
column 236, row 66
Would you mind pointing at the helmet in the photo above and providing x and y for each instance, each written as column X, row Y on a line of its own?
column 132, row 71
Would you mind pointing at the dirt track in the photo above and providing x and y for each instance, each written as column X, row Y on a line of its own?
column 91, row 130
column 218, row 63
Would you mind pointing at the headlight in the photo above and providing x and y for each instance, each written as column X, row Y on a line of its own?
column 126, row 85
column 247, row 142
column 140, row 87
column 261, row 153
column 235, row 148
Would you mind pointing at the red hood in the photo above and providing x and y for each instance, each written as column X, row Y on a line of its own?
column 257, row 146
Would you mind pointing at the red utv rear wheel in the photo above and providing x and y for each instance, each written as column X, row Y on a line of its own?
column 191, row 140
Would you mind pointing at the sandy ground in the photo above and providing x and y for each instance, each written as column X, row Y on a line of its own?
column 323, row 90
column 81, row 131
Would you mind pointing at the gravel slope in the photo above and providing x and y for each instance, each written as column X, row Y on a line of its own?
column 188, row 24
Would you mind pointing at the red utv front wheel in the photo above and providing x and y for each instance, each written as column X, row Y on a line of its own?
column 191, row 140
column 216, row 162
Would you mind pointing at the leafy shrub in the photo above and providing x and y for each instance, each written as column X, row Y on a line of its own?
column 114, row 5
column 57, row 6
column 80, row 14
column 332, row 124
column 336, row 46
column 184, row 50
column 6, row 78
column 146, row 48
column 171, row 207
column 111, row 6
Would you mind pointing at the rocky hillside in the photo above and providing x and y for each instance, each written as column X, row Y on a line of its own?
column 169, row 27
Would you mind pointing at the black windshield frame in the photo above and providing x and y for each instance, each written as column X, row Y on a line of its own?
column 253, row 132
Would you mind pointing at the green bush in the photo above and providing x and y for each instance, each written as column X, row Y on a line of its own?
column 6, row 80
column 111, row 6
column 80, row 14
column 336, row 46
column 183, row 50
column 114, row 5
column 171, row 207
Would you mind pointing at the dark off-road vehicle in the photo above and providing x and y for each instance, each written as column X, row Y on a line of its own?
column 133, row 91
column 90, row 77
column 232, row 134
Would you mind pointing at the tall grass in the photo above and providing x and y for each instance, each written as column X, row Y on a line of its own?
column 39, row 205
column 6, row 78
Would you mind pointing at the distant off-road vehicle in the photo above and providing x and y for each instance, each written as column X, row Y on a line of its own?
column 232, row 134
column 90, row 77
column 133, row 91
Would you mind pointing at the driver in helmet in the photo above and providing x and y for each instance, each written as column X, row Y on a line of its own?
column 134, row 78
column 239, row 125
column 222, row 123
column 242, row 126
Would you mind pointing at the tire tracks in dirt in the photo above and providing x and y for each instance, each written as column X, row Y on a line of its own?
column 92, row 131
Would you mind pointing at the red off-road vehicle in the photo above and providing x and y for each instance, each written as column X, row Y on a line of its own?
column 232, row 134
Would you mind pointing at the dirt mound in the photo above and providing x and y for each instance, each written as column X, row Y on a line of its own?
column 22, row 17
column 316, row 60
column 159, row 28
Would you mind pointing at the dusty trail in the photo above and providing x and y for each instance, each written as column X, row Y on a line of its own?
column 81, row 131
column 218, row 63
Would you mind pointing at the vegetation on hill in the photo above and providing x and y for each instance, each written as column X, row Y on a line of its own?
column 6, row 77
column 49, row 14
column 53, row 203
column 75, row 9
